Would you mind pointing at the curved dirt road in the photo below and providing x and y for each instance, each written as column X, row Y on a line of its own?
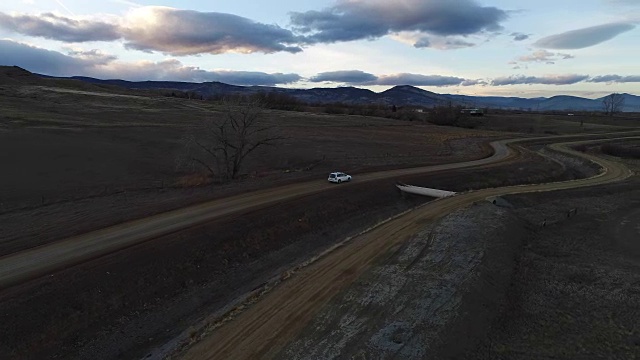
column 25, row 265
column 264, row 328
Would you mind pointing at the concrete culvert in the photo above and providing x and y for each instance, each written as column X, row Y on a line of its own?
column 501, row 202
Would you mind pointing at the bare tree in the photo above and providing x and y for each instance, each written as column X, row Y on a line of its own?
column 222, row 144
column 613, row 103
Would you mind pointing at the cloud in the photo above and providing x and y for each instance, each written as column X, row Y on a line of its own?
column 39, row 60
column 351, row 20
column 419, row 80
column 251, row 77
column 357, row 77
column 93, row 56
column 583, row 38
column 51, row 26
column 543, row 56
column 96, row 64
column 187, row 32
column 615, row 79
column 163, row 29
column 174, row 70
column 345, row 76
column 442, row 43
column 470, row 82
column 519, row 36
column 544, row 80
column 420, row 40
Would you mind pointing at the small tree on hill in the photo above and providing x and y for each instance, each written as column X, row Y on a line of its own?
column 221, row 145
column 613, row 103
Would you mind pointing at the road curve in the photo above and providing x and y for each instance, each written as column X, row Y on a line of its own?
column 32, row 263
column 265, row 327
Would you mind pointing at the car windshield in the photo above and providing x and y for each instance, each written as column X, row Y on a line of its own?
column 332, row 175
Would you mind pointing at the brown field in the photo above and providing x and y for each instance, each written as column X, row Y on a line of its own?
column 80, row 158
column 96, row 158
column 555, row 124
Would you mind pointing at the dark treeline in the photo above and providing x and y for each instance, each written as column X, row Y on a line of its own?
column 447, row 115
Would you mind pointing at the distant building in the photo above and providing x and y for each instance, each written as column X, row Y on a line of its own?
column 473, row 112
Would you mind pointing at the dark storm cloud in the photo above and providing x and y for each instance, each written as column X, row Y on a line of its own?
column 56, row 27
column 583, row 38
column 167, row 30
column 544, row 80
column 358, row 19
column 615, row 79
column 96, row 64
column 345, row 76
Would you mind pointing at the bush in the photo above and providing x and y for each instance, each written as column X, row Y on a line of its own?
column 279, row 101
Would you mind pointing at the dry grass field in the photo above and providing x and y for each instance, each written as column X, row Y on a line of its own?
column 557, row 124
column 95, row 157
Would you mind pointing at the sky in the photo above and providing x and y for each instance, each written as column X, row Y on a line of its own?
column 585, row 48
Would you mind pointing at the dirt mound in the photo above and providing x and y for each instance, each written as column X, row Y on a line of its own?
column 445, row 284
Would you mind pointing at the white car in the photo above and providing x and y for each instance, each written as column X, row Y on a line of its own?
column 338, row 177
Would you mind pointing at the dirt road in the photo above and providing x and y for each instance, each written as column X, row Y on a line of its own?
column 22, row 266
column 263, row 329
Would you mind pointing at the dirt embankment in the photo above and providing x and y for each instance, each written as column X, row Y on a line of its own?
column 576, row 289
column 577, row 167
column 432, row 297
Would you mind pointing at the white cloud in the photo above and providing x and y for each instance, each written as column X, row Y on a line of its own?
column 583, row 38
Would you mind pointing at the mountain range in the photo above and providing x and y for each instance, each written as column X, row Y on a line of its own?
column 402, row 95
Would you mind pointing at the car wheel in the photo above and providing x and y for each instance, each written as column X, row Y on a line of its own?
column 339, row 181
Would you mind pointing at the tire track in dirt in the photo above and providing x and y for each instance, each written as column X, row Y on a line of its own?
column 263, row 329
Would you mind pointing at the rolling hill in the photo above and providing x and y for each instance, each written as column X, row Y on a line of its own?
column 402, row 95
